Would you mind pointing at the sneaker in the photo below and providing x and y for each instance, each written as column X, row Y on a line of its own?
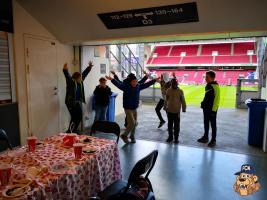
column 125, row 139
column 169, row 139
column 161, row 124
column 212, row 143
column 203, row 139
column 133, row 140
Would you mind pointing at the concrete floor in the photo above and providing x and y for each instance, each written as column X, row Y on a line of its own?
column 188, row 173
column 232, row 129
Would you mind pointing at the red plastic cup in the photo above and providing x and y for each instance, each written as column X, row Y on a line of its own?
column 78, row 148
column 69, row 139
column 31, row 143
column 5, row 174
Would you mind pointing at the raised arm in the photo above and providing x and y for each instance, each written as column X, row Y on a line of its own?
column 147, row 84
column 87, row 70
column 66, row 73
column 115, row 76
column 144, row 79
column 118, row 84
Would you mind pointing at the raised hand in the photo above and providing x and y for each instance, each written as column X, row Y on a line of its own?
column 109, row 78
column 65, row 67
column 90, row 64
column 157, row 79
column 145, row 73
column 113, row 72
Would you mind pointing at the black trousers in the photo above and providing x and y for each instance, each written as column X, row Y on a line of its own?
column 76, row 117
column 158, row 109
column 173, row 125
column 210, row 118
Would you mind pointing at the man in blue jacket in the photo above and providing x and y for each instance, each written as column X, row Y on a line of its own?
column 131, row 93
column 143, row 80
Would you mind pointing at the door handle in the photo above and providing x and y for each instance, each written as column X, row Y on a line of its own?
column 55, row 88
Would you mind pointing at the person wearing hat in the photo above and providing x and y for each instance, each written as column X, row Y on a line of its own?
column 75, row 95
column 246, row 181
column 131, row 93
column 102, row 94
column 164, row 85
column 174, row 102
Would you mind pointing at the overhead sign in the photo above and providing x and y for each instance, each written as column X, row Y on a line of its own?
column 180, row 13
column 6, row 16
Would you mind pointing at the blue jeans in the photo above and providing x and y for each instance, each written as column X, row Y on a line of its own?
column 100, row 113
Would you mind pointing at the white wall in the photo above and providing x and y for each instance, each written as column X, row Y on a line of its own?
column 92, row 81
column 24, row 23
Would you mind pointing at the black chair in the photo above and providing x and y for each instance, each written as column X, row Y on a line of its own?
column 142, row 167
column 106, row 127
column 4, row 138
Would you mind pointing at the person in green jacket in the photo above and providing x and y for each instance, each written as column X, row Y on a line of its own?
column 75, row 95
column 210, row 105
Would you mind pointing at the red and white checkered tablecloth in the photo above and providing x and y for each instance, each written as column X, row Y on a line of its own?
column 81, row 178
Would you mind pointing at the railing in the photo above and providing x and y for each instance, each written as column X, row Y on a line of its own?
column 138, row 69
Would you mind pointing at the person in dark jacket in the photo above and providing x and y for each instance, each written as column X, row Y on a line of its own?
column 75, row 95
column 131, row 93
column 143, row 80
column 210, row 105
column 102, row 94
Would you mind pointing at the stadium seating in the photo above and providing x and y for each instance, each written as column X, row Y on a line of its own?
column 197, row 60
column 254, row 59
column 162, row 50
column 171, row 55
column 166, row 60
column 244, row 59
column 222, row 49
column 191, row 50
column 242, row 48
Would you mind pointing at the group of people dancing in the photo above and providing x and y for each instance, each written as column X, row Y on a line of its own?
column 172, row 101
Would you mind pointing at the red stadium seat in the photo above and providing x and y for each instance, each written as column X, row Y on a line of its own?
column 166, row 60
column 254, row 59
column 242, row 48
column 197, row 60
column 162, row 50
column 222, row 49
column 232, row 59
column 191, row 50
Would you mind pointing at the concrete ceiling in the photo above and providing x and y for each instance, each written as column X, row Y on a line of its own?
column 76, row 21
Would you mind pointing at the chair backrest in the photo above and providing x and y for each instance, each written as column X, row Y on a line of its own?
column 4, row 138
column 143, row 167
column 106, row 127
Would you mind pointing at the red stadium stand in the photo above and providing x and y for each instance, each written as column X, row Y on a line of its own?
column 242, row 48
column 254, row 59
column 166, row 60
column 197, row 60
column 222, row 49
column 191, row 50
column 232, row 59
column 149, row 61
column 162, row 50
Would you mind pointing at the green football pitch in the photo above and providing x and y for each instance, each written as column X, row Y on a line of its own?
column 194, row 95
